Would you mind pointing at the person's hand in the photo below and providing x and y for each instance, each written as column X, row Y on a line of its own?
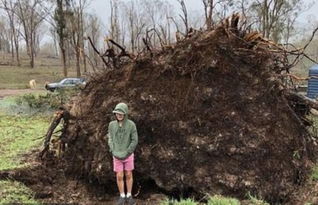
column 124, row 156
column 121, row 158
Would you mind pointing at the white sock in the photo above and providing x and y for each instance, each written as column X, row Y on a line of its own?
column 122, row 195
column 128, row 195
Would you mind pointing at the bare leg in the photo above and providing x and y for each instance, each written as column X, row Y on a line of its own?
column 129, row 180
column 120, row 182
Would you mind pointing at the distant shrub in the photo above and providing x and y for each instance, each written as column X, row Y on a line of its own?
column 38, row 101
column 46, row 101
column 65, row 94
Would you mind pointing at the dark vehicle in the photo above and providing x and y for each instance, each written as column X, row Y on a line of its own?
column 66, row 83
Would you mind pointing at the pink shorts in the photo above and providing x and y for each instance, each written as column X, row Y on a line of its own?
column 126, row 164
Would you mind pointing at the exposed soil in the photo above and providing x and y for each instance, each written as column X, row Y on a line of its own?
column 51, row 185
column 212, row 114
column 308, row 194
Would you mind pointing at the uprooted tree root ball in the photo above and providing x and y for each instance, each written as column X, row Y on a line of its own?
column 212, row 115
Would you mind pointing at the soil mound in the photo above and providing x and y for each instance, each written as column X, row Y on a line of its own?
column 212, row 117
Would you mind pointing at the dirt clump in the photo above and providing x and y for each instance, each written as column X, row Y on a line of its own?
column 51, row 185
column 212, row 114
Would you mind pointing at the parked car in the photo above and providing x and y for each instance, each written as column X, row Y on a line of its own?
column 66, row 83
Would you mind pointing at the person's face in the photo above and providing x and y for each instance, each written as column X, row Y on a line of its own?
column 120, row 117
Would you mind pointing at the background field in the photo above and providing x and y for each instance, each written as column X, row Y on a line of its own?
column 48, row 69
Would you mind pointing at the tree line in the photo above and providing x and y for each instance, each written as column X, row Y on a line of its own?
column 133, row 24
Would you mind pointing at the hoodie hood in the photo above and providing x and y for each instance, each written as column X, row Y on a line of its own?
column 121, row 108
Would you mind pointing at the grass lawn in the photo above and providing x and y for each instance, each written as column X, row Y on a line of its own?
column 18, row 134
column 19, row 77
column 12, row 192
column 215, row 200
column 46, row 70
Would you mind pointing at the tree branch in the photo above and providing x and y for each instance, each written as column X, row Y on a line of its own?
column 96, row 51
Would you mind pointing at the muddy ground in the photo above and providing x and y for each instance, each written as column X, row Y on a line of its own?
column 51, row 185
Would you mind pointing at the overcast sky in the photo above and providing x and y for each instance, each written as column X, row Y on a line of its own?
column 101, row 7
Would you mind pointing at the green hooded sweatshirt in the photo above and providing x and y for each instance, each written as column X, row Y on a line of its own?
column 122, row 140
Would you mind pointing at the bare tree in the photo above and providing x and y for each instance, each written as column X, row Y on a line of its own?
column 42, row 31
column 4, row 36
column 132, row 19
column 135, row 23
column 184, row 17
column 208, row 11
column 77, row 33
column 55, row 40
column 83, row 4
column 274, row 16
column 165, row 25
column 114, row 21
column 214, row 9
column 61, row 14
column 94, row 32
column 31, row 15
column 10, row 7
column 155, row 12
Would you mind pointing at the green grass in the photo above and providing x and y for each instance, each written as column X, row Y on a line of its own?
column 14, row 192
column 314, row 173
column 40, row 102
column 6, row 103
column 18, row 135
column 221, row 200
column 19, row 77
column 255, row 201
column 181, row 202
column 314, row 131
column 212, row 200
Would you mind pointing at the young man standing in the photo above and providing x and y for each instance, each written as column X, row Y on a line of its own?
column 122, row 141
